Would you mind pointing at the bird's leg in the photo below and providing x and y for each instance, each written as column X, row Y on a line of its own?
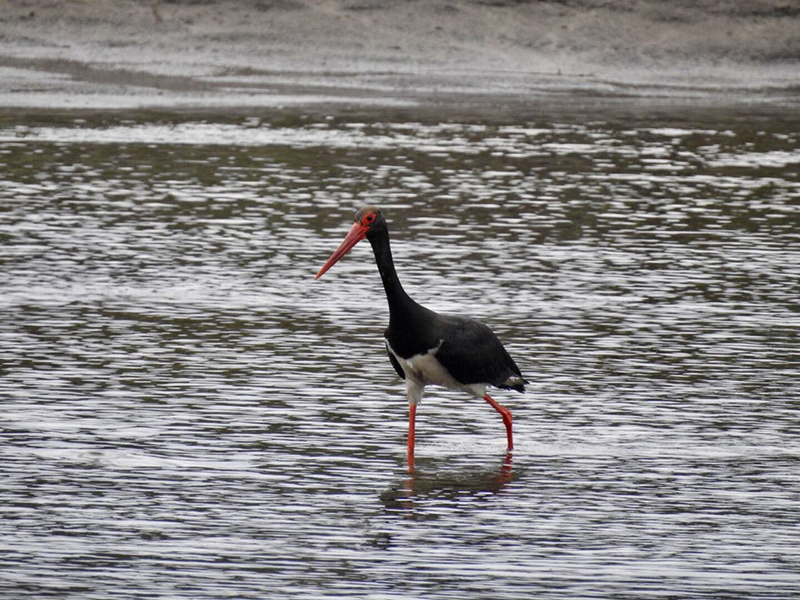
column 412, row 417
column 506, row 414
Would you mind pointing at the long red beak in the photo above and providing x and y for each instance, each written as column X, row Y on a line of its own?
column 357, row 233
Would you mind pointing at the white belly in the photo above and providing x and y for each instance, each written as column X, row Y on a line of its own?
column 425, row 369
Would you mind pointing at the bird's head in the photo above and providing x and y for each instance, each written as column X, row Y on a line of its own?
column 367, row 222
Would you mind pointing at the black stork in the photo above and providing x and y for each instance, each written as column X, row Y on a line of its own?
column 428, row 348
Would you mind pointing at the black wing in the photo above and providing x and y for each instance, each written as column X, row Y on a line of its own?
column 395, row 364
column 472, row 353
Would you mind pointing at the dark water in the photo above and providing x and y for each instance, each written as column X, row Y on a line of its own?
column 187, row 414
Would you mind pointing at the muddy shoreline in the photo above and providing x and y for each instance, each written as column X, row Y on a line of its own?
column 346, row 55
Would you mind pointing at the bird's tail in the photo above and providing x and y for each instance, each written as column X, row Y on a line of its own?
column 514, row 383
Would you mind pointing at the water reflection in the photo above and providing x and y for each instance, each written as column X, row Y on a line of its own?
column 435, row 480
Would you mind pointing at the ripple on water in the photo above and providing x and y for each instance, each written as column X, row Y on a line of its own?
column 187, row 413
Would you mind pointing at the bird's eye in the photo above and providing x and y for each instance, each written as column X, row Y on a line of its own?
column 368, row 219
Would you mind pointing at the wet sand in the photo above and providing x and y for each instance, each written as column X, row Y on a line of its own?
column 481, row 56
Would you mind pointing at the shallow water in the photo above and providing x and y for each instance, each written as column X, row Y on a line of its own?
column 187, row 414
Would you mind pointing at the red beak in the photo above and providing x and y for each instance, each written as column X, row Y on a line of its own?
column 357, row 233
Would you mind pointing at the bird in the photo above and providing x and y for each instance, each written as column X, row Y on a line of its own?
column 428, row 348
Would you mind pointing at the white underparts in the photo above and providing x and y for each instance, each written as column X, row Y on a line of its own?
column 425, row 369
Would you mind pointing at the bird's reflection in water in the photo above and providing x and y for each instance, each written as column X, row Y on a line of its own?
column 435, row 479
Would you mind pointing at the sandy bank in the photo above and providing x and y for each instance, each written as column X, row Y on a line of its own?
column 209, row 53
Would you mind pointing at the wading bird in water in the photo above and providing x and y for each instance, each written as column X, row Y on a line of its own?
column 427, row 348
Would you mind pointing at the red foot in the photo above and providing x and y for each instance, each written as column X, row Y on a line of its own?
column 506, row 414
column 412, row 416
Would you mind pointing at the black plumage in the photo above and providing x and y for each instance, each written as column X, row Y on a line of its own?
column 470, row 351
column 429, row 348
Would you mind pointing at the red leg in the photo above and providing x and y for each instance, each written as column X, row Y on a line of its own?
column 412, row 416
column 506, row 414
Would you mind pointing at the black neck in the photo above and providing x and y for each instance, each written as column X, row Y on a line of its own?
column 399, row 302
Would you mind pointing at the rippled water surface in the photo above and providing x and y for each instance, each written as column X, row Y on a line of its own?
column 187, row 414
